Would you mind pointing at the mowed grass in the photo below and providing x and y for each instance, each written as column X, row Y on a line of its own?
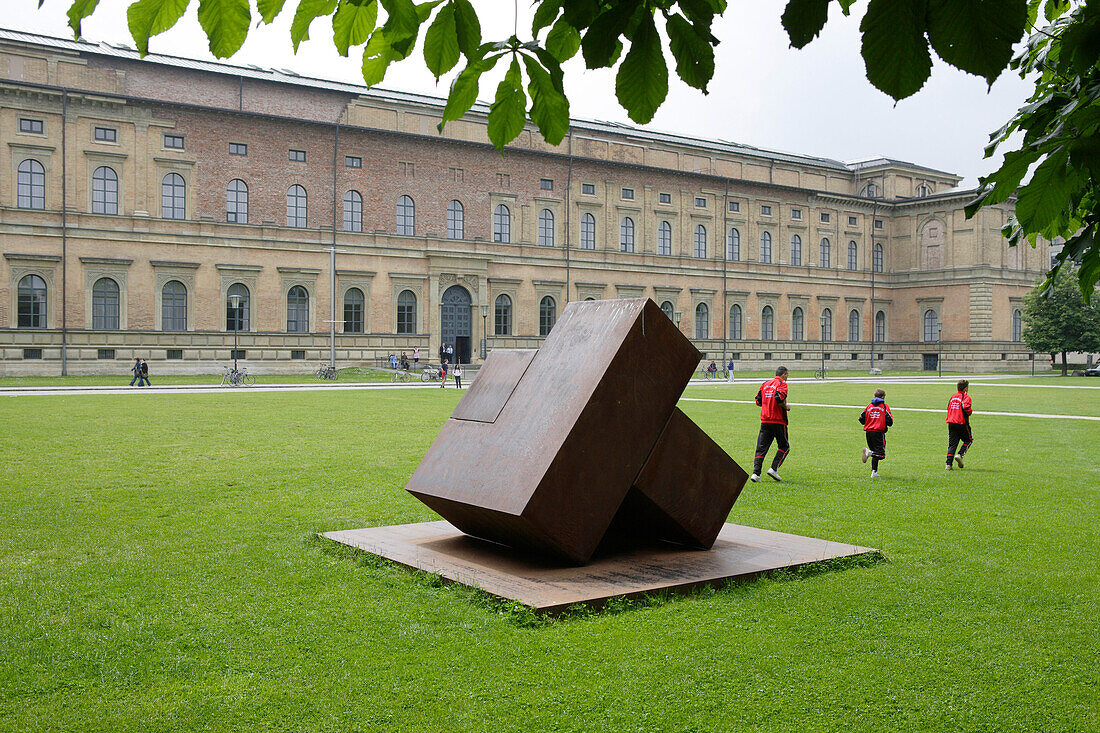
column 123, row 378
column 158, row 571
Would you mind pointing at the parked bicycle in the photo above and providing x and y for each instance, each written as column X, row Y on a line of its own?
column 325, row 371
column 429, row 373
column 821, row 374
column 401, row 375
column 237, row 377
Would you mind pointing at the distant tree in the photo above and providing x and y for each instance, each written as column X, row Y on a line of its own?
column 1059, row 320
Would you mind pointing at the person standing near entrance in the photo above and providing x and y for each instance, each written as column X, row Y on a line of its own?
column 442, row 352
column 416, row 355
column 772, row 398
column 959, row 408
column 458, row 376
column 451, row 353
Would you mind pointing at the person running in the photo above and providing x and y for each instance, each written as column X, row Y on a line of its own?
column 958, row 424
column 876, row 419
column 772, row 398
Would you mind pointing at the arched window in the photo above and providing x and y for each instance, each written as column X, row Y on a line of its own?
column 354, row 303
column 626, row 235
column 296, row 205
column 173, row 306
column 353, row 211
column 548, row 315
column 502, row 224
column 32, row 302
column 173, row 197
column 297, row 310
column 876, row 258
column 664, row 238
column 1017, row 326
column 798, row 325
column 406, row 312
column 406, row 217
column 502, row 316
column 871, row 191
column 766, row 247
column 700, row 241
column 105, row 304
column 588, row 232
column 853, row 255
column 546, row 228
column 456, row 220
column 733, row 245
column 880, row 326
column 796, row 249
column 702, row 321
column 853, row 325
column 931, row 325
column 236, row 319
column 767, row 323
column 668, row 309
column 737, row 324
column 236, row 202
column 826, row 325
column 31, row 185
column 826, row 252
column 104, row 191
column 923, row 190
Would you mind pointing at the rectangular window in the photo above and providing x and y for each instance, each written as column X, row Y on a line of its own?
column 353, row 161
column 173, row 141
column 825, row 217
column 504, row 180
column 238, row 354
column 878, row 223
column 105, row 134
column 546, row 184
column 736, row 356
column 297, row 353
column 408, row 169
column 828, row 357
column 665, row 198
column 855, row 356
column 700, row 202
column 735, row 206
column 767, row 356
column 628, row 194
column 298, row 156
column 37, row 127
column 458, row 175
column 174, row 354
column 852, row 221
column 105, row 354
column 588, row 189
column 32, row 353
column 238, row 149
column 796, row 213
column 765, row 210
column 798, row 356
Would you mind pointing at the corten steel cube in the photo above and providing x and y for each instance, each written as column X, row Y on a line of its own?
column 558, row 449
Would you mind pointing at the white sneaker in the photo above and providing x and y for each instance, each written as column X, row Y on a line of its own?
column 866, row 454
column 874, row 474
column 959, row 460
column 755, row 478
column 774, row 474
column 948, row 466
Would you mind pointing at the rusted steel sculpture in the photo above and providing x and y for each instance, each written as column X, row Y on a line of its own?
column 580, row 443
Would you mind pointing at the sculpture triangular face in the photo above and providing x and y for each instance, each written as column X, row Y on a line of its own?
column 546, row 446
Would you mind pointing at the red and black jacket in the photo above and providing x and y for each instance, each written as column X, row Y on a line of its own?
column 772, row 398
column 876, row 417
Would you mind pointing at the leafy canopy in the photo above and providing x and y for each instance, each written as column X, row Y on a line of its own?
column 899, row 38
column 1060, row 320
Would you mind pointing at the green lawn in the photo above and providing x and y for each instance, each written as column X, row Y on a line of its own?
column 159, row 571
column 350, row 374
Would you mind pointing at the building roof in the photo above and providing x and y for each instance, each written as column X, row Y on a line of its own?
column 286, row 76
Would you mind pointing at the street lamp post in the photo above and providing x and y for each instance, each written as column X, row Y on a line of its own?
column 484, row 332
column 939, row 348
column 676, row 316
column 235, row 301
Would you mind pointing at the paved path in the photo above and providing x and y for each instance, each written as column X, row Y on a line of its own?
column 208, row 389
column 903, row 409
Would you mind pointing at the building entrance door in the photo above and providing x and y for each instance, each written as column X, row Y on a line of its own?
column 456, row 320
column 931, row 362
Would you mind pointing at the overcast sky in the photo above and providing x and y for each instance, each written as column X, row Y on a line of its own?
column 816, row 101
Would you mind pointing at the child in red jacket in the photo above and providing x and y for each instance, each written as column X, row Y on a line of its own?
column 959, row 408
column 876, row 419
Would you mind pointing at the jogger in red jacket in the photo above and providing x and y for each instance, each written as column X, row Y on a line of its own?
column 876, row 419
column 958, row 424
column 772, row 398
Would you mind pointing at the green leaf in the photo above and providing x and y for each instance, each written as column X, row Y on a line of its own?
column 804, row 19
column 601, row 43
column 895, row 50
column 508, row 113
column 441, row 51
column 147, row 18
column 402, row 21
column 1002, row 183
column 78, row 11
column 353, row 23
column 307, row 12
column 1045, row 202
column 976, row 35
column 377, row 57
column 694, row 55
column 544, row 15
column 642, row 82
column 226, row 25
column 563, row 40
column 549, row 106
column 464, row 88
column 467, row 26
column 269, row 9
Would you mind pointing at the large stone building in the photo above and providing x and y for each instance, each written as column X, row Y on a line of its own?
column 139, row 196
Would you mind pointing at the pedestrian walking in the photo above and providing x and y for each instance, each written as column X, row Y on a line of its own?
column 959, row 408
column 876, row 419
column 136, row 369
column 145, row 373
column 443, row 374
column 772, row 398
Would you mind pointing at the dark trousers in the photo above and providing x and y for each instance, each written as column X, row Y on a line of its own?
column 769, row 432
column 458, row 382
column 958, row 434
column 876, row 442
